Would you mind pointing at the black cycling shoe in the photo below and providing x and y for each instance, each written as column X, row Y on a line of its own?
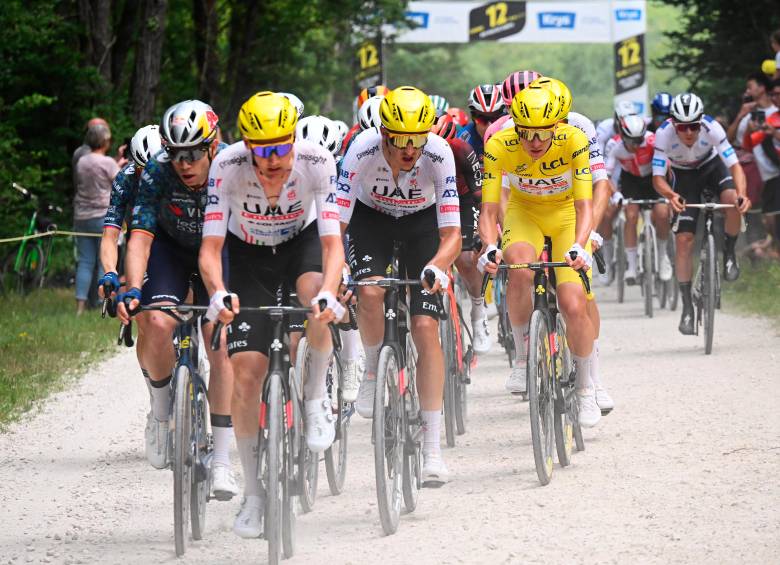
column 730, row 268
column 686, row 322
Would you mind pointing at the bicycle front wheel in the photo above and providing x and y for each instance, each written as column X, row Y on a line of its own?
column 182, row 457
column 564, row 426
column 388, row 430
column 448, row 347
column 461, row 385
column 412, row 422
column 620, row 263
column 709, row 298
column 336, row 454
column 200, row 473
column 540, row 396
column 648, row 276
column 275, row 469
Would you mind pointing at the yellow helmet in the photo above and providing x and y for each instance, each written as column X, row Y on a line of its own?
column 267, row 116
column 560, row 90
column 535, row 107
column 407, row 109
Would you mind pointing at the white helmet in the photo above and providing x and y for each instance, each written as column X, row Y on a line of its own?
column 368, row 115
column 295, row 102
column 687, row 107
column 343, row 129
column 319, row 130
column 145, row 143
column 624, row 108
column 188, row 124
column 633, row 127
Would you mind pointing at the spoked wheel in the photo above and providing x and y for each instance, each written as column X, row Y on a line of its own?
column 564, row 427
column 388, row 430
column 31, row 270
column 448, row 347
column 200, row 476
column 540, row 395
column 336, row 454
column 674, row 286
column 274, row 459
column 307, row 463
column 709, row 294
column 412, row 466
column 289, row 493
column 461, row 390
column 648, row 276
column 504, row 326
column 182, row 457
column 620, row 263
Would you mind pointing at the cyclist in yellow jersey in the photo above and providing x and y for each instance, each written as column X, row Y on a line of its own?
column 547, row 166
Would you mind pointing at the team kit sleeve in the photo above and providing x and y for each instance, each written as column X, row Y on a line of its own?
column 215, row 219
column 347, row 183
column 491, row 179
column 659, row 151
column 325, row 198
column 582, row 180
column 121, row 188
column 719, row 139
column 446, row 187
column 147, row 201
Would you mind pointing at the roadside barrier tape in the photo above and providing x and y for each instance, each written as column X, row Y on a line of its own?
column 48, row 234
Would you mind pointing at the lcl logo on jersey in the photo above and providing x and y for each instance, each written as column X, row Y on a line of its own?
column 554, row 164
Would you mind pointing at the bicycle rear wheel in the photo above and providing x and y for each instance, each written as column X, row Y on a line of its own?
column 648, row 266
column 388, row 430
column 709, row 298
column 274, row 452
column 412, row 423
column 182, row 457
column 200, row 474
column 461, row 384
column 289, row 492
column 336, row 454
column 564, row 427
column 448, row 347
column 307, row 464
column 620, row 262
column 540, row 396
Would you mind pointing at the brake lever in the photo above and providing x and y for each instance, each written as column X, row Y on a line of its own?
column 430, row 278
column 486, row 276
column 215, row 337
column 334, row 331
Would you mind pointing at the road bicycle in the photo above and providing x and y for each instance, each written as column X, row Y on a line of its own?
column 550, row 370
column 397, row 421
column 618, row 266
column 505, row 336
column 706, row 282
column 456, row 344
column 26, row 267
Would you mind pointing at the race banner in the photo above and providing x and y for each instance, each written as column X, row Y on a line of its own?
column 629, row 63
column 368, row 63
column 496, row 20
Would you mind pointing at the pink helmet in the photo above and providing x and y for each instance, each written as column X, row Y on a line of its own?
column 516, row 82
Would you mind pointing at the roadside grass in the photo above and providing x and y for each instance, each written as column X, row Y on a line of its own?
column 756, row 292
column 43, row 346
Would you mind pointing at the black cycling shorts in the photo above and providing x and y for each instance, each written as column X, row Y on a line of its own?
column 713, row 176
column 770, row 197
column 468, row 214
column 371, row 237
column 170, row 272
column 637, row 188
column 256, row 273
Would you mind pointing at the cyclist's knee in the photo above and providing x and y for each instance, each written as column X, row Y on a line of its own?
column 157, row 325
column 425, row 325
column 572, row 301
column 523, row 278
column 370, row 296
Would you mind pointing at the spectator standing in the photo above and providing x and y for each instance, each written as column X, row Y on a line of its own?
column 95, row 172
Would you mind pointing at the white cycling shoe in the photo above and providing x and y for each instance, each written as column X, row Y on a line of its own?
column 249, row 521
column 483, row 341
column 365, row 398
column 516, row 382
column 434, row 471
column 630, row 276
column 320, row 431
column 157, row 443
column 223, row 482
column 604, row 400
column 665, row 268
column 349, row 390
column 589, row 411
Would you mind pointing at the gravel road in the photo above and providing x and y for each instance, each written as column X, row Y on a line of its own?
column 685, row 470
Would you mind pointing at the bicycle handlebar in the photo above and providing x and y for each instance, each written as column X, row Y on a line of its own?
column 536, row 266
column 388, row 282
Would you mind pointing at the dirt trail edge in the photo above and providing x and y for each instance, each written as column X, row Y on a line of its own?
column 684, row 470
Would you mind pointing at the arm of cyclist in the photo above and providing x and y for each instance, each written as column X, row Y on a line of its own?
column 582, row 187
column 602, row 193
column 109, row 256
column 121, row 190
column 660, row 182
column 138, row 248
column 492, row 202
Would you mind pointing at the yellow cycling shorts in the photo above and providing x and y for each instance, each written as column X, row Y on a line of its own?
column 530, row 223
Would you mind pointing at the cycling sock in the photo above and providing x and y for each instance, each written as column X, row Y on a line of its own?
column 316, row 374
column 583, row 372
column 161, row 399
column 478, row 310
column 520, row 334
column 247, row 451
column 350, row 349
column 372, row 358
column 685, row 292
column 631, row 256
column 594, row 365
column 431, row 430
column 147, row 380
column 729, row 242
column 608, row 247
column 222, row 430
column 661, row 244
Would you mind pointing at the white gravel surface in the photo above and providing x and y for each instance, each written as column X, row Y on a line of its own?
column 685, row 470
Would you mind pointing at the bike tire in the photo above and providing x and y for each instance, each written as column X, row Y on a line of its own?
column 289, row 490
column 275, row 468
column 710, row 273
column 411, row 479
column 336, row 454
column 199, row 493
column 307, row 463
column 387, row 430
column 461, row 388
column 31, row 269
column 620, row 263
column 674, row 296
column 447, row 337
column 564, row 427
column 648, row 276
column 540, row 395
column 182, row 457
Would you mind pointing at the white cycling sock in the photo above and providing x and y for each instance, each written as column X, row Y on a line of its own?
column 222, row 430
column 350, row 345
column 372, row 358
column 161, row 399
column 145, row 373
column 594, row 365
column 247, row 451
column 520, row 334
column 316, row 374
column 431, row 430
column 631, row 257
column 582, row 380
column 609, row 248
column 662, row 248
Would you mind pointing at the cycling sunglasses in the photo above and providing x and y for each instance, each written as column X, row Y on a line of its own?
column 401, row 140
column 529, row 134
column 633, row 141
column 187, row 155
column 693, row 126
column 265, row 151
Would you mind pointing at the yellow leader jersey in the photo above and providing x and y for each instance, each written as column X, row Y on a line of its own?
column 560, row 175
